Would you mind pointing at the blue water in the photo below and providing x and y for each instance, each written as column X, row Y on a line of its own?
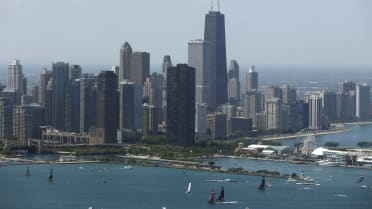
column 355, row 134
column 108, row 186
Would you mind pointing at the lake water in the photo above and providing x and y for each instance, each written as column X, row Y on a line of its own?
column 109, row 186
column 355, row 134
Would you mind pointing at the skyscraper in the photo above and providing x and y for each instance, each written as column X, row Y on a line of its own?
column 28, row 119
column 59, row 83
column 274, row 114
column 167, row 62
column 181, row 105
column 214, row 32
column 315, row 112
column 149, row 120
column 346, row 86
column 74, row 72
column 45, row 76
column 198, row 57
column 289, row 94
column 251, row 79
column 107, row 108
column 6, row 119
column 130, row 105
column 125, row 62
column 329, row 105
column 140, row 68
column 72, row 106
column 233, row 82
column 362, row 101
column 87, row 103
column 16, row 79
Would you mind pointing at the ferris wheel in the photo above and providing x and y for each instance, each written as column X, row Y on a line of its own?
column 306, row 141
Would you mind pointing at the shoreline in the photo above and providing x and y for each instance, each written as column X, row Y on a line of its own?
column 292, row 136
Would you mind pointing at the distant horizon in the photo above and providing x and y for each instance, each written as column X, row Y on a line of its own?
column 269, row 32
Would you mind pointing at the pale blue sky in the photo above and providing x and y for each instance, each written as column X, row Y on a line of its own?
column 261, row 32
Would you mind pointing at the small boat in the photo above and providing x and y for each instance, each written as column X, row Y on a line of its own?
column 128, row 167
column 50, row 178
column 211, row 198
column 364, row 187
column 262, row 185
column 361, row 179
column 188, row 188
column 28, row 172
column 221, row 197
column 309, row 179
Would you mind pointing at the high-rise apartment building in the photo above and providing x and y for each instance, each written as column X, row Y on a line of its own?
column 214, row 32
column 6, row 119
column 107, row 108
column 87, row 103
column 315, row 112
column 72, row 106
column 362, row 105
column 201, row 112
column 198, row 57
column 59, row 83
column 149, row 120
column 346, row 86
column 16, row 79
column 251, row 79
column 233, row 82
column 289, row 94
column 329, row 105
column 45, row 76
column 274, row 114
column 28, row 119
column 181, row 105
column 130, row 105
column 74, row 72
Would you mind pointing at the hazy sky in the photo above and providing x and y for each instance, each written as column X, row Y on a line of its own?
column 261, row 32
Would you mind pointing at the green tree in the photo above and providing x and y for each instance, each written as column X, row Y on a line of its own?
column 331, row 144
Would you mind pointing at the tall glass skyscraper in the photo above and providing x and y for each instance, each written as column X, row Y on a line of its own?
column 59, row 83
column 214, row 32
column 181, row 105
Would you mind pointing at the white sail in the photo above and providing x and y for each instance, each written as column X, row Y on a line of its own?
column 188, row 188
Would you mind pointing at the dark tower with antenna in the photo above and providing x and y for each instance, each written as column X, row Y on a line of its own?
column 214, row 32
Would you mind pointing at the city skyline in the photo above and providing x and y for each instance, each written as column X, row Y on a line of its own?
column 265, row 32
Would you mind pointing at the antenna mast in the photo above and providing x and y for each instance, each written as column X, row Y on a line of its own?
column 218, row 5
column 211, row 5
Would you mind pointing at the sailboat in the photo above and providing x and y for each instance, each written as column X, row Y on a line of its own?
column 211, row 199
column 262, row 185
column 28, row 172
column 50, row 178
column 221, row 197
column 188, row 188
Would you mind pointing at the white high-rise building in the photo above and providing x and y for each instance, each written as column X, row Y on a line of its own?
column 362, row 101
column 315, row 112
column 198, row 57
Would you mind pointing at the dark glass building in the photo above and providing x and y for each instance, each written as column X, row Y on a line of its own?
column 181, row 105
column 107, row 108
column 214, row 32
column 59, row 83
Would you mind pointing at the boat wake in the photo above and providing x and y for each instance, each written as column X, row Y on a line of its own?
column 227, row 202
column 341, row 195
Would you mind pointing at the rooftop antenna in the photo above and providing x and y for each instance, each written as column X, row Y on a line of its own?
column 211, row 5
column 218, row 5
